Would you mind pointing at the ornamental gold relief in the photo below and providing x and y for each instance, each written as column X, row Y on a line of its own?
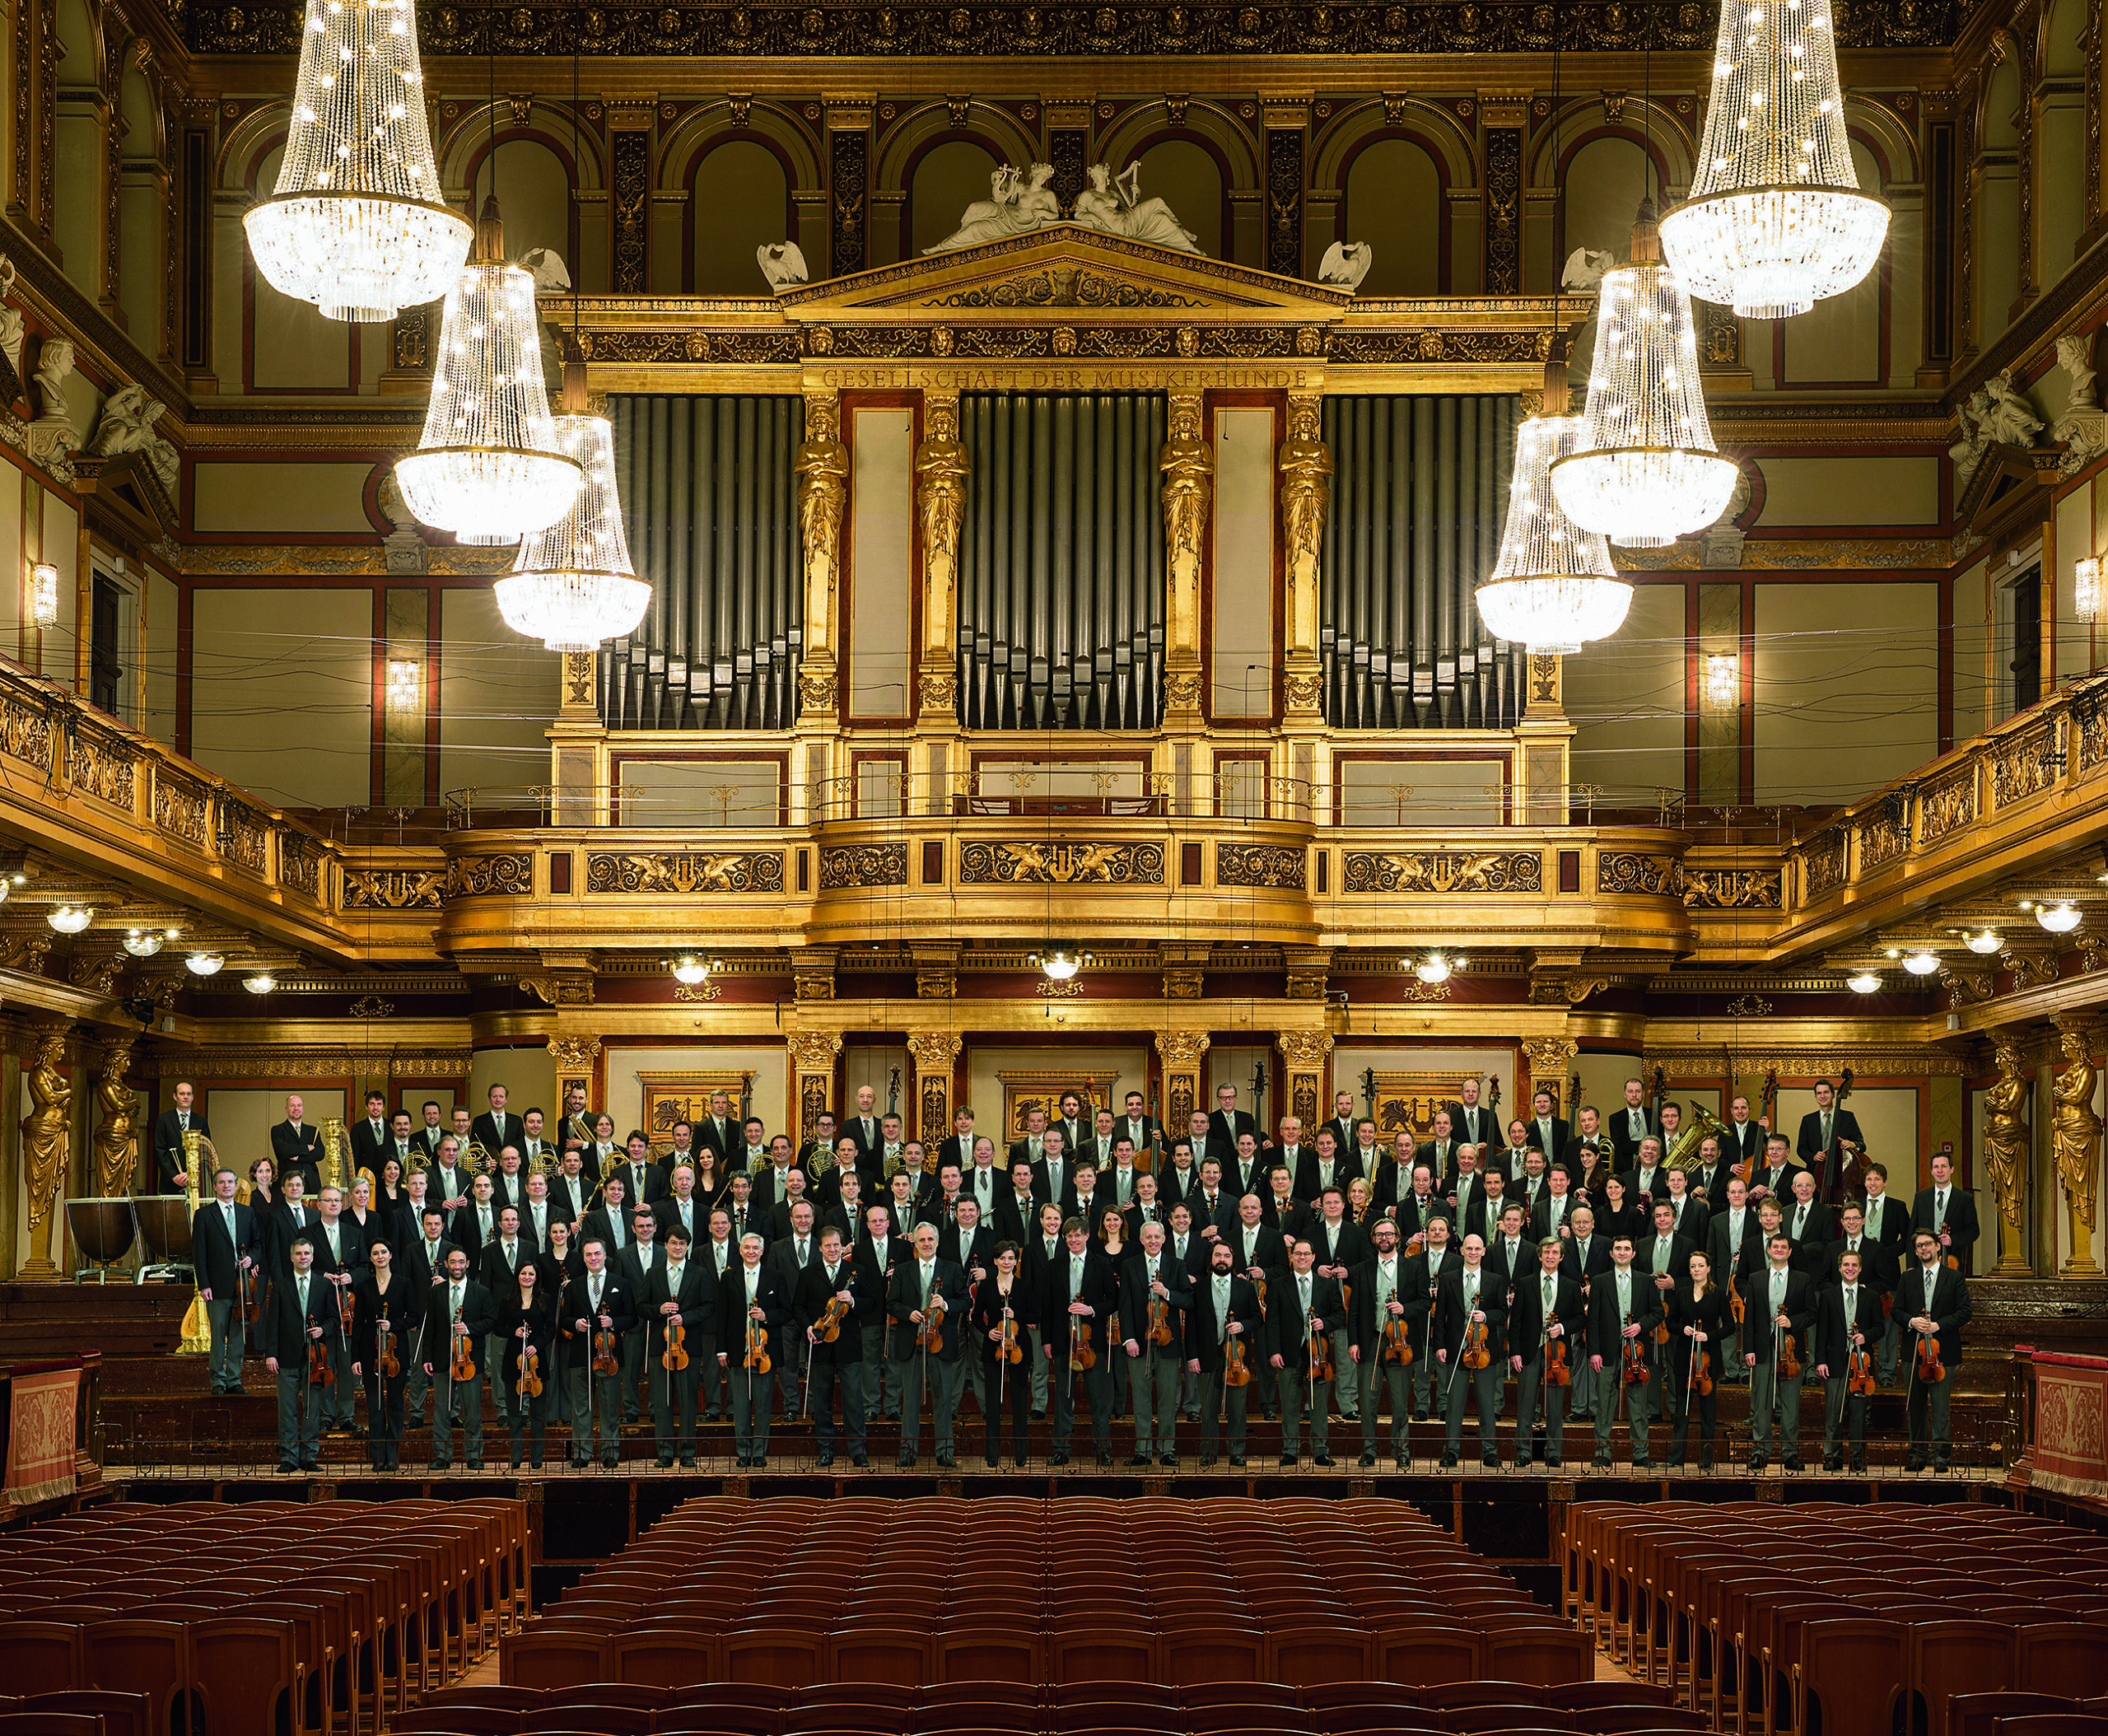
column 862, row 864
column 1733, row 888
column 1280, row 866
column 391, row 889
column 1442, row 872
column 1629, row 871
column 1027, row 862
column 625, row 873
column 510, row 875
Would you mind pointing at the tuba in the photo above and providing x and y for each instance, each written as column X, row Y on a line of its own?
column 336, row 1170
column 1704, row 1124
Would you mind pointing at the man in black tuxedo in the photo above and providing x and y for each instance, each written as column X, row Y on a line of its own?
column 1948, row 1212
column 1081, row 1294
column 916, row 1282
column 497, row 1269
column 1227, row 1123
column 788, row 1255
column 863, row 1128
column 837, row 1361
column 494, row 1129
column 1469, row 1293
column 1546, row 1132
column 957, row 1146
column 1471, row 1122
column 680, row 1290
column 1246, row 1170
column 596, row 1300
column 1742, row 1140
column 644, row 1182
column 169, row 1128
column 283, row 1222
column 1847, row 1319
column 1225, row 1309
column 1630, row 1124
column 1327, row 1164
column 460, row 1309
column 1689, row 1216
column 339, row 1259
column 369, row 1137
column 1075, row 1122
column 1419, row 1203
column 719, row 1132
column 1809, row 1223
column 1776, row 1299
column 877, row 1251
column 1830, row 1144
column 1623, row 1305
column 634, row 1266
column 1545, row 1310
column 1155, row 1370
column 226, row 1243
column 1302, row 1305
column 1141, row 1130
column 301, row 1310
column 434, row 1130
column 474, row 1227
column 1933, row 1300
column 295, row 1145
column 1342, row 1126
column 1385, row 1291
column 403, row 1146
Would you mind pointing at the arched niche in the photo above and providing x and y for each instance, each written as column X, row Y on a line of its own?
column 1235, row 231
column 2060, row 142
column 1998, row 249
column 1393, row 198
column 77, row 144
column 1844, row 340
column 740, row 199
column 287, row 346
column 1189, row 177
column 532, row 174
column 948, row 175
column 142, row 238
column 1580, row 190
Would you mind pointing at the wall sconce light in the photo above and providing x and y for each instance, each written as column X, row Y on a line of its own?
column 403, row 683
column 2086, row 588
column 1723, row 680
column 44, row 596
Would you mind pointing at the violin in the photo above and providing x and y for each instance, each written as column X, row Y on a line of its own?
column 1702, row 1375
column 606, row 1360
column 1235, row 1370
column 1790, row 1361
column 463, row 1365
column 531, row 1364
column 1397, row 1342
column 318, row 1371
column 929, row 1336
column 1930, row 1368
column 1259, row 1288
column 390, row 1365
column 829, row 1326
column 1160, row 1321
column 1321, row 1354
column 252, row 1300
column 674, row 1356
column 755, row 1360
column 1635, row 1363
column 1081, row 1356
column 1556, row 1372
column 1475, row 1354
column 1859, row 1373
column 1010, row 1349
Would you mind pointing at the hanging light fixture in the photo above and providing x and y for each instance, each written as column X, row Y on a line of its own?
column 1775, row 221
column 1554, row 587
column 1057, row 963
column 1985, row 941
column 489, row 467
column 573, row 585
column 1864, row 982
column 204, row 964
column 356, row 225
column 70, row 919
column 2086, row 588
column 1645, row 470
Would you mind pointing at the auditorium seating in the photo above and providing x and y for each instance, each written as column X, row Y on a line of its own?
column 270, row 1617
column 1838, row 1617
column 793, row 1591
column 1085, row 1708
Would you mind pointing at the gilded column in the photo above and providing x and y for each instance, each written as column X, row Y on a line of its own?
column 1189, row 482
column 822, row 468
column 47, row 1140
column 1181, row 1052
column 1308, row 1056
column 117, row 1139
column 2076, row 1140
column 935, row 1054
column 1306, row 471
column 2008, row 1155
column 575, row 1059
column 812, row 1059
column 942, row 465
column 1551, row 1060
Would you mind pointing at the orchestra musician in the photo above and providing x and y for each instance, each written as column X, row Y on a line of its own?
column 595, row 1301
column 1079, row 1298
column 1947, row 1211
column 1545, row 1325
column 1623, row 1307
column 1701, row 1324
column 678, row 1290
column 1384, row 1296
column 1151, row 1278
column 1934, row 1297
column 1470, row 1305
column 387, row 1308
column 296, row 1145
column 457, row 1324
column 916, row 1283
column 1303, row 1307
column 835, row 1362
column 1830, row 1144
column 301, row 1312
column 369, row 1137
column 228, row 1247
column 1778, row 1302
column 170, row 1127
column 1848, row 1323
column 1005, row 1316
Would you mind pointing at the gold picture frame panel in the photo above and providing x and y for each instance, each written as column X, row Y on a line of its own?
column 1025, row 1092
column 1407, row 1101
column 672, row 1097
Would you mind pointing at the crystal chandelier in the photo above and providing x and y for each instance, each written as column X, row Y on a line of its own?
column 1776, row 220
column 356, row 224
column 573, row 585
column 1554, row 587
column 1644, row 470
column 489, row 467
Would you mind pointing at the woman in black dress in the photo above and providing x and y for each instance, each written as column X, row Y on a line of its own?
column 1005, row 1296
column 1615, row 1216
column 526, row 1317
column 387, row 1312
column 1699, row 1325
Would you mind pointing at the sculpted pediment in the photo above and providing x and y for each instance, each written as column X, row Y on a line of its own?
column 1064, row 266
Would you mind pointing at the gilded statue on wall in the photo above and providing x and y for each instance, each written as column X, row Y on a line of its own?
column 45, row 1131
column 941, row 467
column 1306, row 468
column 116, row 1141
column 822, row 466
column 2075, row 1138
column 1189, row 477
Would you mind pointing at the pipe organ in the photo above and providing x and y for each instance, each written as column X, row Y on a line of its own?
column 1420, row 490
column 1062, row 590
column 707, row 485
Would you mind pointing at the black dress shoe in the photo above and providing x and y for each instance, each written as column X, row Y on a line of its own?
column 1832, row 1461
column 1138, row 1458
column 687, row 1462
column 475, row 1464
column 1793, row 1461
column 1913, row 1463
column 946, row 1457
column 666, row 1463
column 1448, row 1459
column 608, row 1463
column 1169, row 1461
column 1059, row 1456
column 1491, row 1461
column 860, row 1461
column 1321, row 1458
column 1237, row 1459
column 1859, row 1464
column 437, row 1464
column 1602, row 1459
column 1206, row 1459
column 905, row 1461
column 1288, row 1459
column 824, row 1460
column 1939, row 1468
column 1555, row 1464
column 1757, row 1461
column 1368, row 1459
column 294, row 1470
column 711, row 1416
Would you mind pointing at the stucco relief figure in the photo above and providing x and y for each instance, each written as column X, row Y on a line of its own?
column 2006, row 1139
column 1189, row 473
column 1306, row 472
column 2074, row 359
column 54, row 430
column 822, row 466
column 2007, row 417
column 782, row 263
column 11, row 319
column 2075, row 1134
column 1019, row 201
column 115, row 1142
column 941, row 466
column 1114, row 204
column 127, row 425
column 1585, row 266
column 44, row 1142
column 1345, row 264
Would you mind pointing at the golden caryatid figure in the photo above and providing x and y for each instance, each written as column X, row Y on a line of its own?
column 1306, row 468
column 116, row 1139
column 46, row 1132
column 2007, row 1151
column 822, row 466
column 942, row 465
column 2076, row 1140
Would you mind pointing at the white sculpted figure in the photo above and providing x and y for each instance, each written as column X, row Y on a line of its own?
column 1115, row 205
column 1585, row 268
column 128, row 416
column 550, row 275
column 2073, row 357
column 782, row 263
column 54, row 433
column 2007, row 416
column 11, row 319
column 1345, row 264
column 1019, row 201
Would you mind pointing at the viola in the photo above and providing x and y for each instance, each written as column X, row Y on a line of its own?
column 1397, row 1342
column 754, row 1359
column 318, row 1371
column 1635, row 1363
column 1009, row 1350
column 1321, row 1354
column 1259, row 1288
column 1160, row 1321
column 530, row 1366
column 252, row 1298
column 390, row 1365
column 1081, row 1356
column 931, row 1335
column 464, row 1364
column 1701, row 1376
column 1475, row 1353
column 1929, row 1367
column 829, row 1326
column 1415, row 1243
column 1235, row 1370
column 1556, row 1372
column 1859, row 1374
column 674, row 1356
column 1789, row 1360
column 606, row 1360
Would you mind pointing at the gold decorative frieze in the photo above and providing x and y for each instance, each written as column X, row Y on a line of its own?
column 683, row 871
column 300, row 864
column 510, row 875
column 2090, row 726
column 245, row 838
column 740, row 345
column 2024, row 767
column 1822, row 863
column 1626, row 872
column 1305, row 1050
column 392, row 888
column 1272, row 866
column 99, row 765
column 26, row 952
column 24, row 731
column 1071, row 989
column 1946, row 807
column 1030, row 862
column 305, row 1064
column 1444, row 872
column 1884, row 834
column 182, row 809
column 1733, row 888
column 813, row 1052
column 1063, row 286
column 1434, row 344
column 1793, row 1064
column 862, row 864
